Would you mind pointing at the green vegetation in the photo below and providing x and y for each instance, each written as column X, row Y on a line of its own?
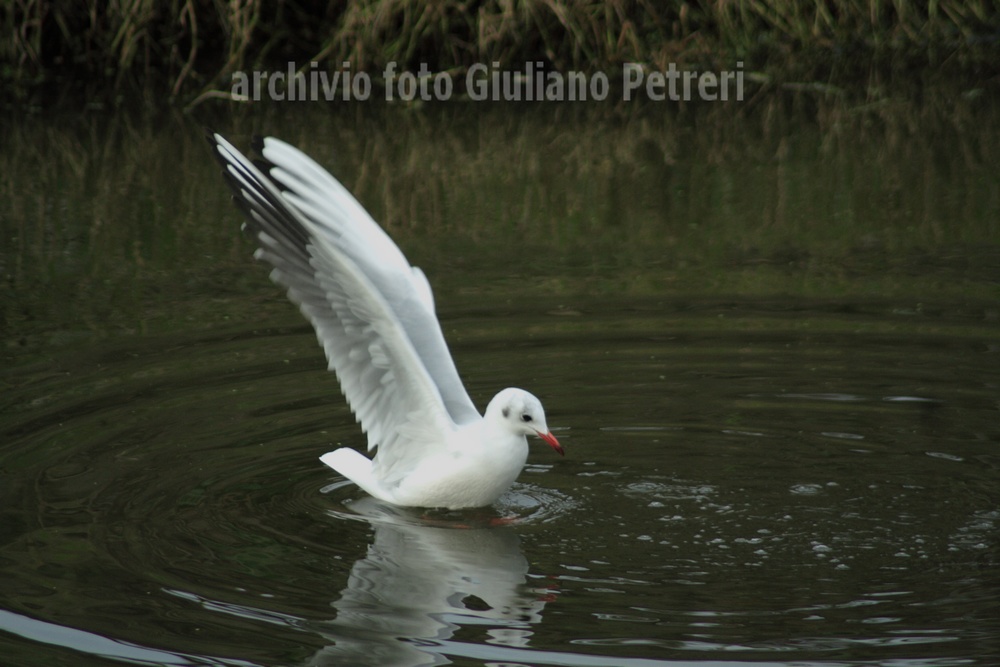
column 188, row 48
column 120, row 222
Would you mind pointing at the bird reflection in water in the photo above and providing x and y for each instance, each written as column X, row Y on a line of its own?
column 425, row 578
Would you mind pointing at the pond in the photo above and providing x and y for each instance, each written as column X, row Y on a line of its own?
column 768, row 338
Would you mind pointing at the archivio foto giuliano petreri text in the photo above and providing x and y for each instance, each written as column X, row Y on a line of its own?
column 481, row 83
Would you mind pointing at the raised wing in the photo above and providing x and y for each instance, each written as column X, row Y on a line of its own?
column 373, row 313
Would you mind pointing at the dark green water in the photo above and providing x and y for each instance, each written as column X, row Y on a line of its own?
column 768, row 339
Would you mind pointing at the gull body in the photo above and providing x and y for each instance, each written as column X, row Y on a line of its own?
column 374, row 317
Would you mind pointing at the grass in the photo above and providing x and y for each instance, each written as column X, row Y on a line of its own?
column 188, row 48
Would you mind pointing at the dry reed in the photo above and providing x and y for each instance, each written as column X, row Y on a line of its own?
column 188, row 47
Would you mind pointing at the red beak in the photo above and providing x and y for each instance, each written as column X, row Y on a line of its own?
column 553, row 443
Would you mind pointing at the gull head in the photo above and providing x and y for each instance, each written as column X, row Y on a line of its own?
column 522, row 414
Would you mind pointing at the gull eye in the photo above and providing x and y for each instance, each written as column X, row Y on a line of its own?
column 526, row 418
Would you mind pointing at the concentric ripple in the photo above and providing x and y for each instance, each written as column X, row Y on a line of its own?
column 524, row 504
column 165, row 502
column 183, row 492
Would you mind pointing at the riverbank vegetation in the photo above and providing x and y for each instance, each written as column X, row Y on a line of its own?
column 186, row 49
column 113, row 219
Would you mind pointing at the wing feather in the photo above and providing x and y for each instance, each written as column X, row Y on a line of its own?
column 342, row 221
column 372, row 312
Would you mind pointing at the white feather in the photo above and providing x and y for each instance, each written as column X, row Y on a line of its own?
column 374, row 317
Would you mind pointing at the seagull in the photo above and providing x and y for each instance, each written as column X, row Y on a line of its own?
column 374, row 317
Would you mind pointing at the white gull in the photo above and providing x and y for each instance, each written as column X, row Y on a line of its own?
column 374, row 316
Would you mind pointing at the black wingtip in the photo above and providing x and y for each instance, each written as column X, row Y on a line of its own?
column 209, row 135
column 213, row 144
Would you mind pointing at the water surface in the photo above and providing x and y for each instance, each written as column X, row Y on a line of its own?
column 768, row 342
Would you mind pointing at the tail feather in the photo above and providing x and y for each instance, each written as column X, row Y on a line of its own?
column 356, row 467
